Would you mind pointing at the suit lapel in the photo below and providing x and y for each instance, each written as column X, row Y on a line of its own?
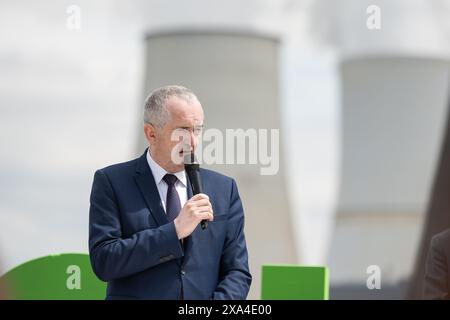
column 146, row 183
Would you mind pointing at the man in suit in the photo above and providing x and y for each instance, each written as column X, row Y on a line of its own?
column 145, row 237
column 437, row 271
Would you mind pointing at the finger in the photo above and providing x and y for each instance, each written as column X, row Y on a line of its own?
column 199, row 196
column 204, row 209
column 201, row 203
column 207, row 215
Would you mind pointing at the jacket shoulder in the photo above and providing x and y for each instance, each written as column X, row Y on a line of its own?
column 216, row 176
column 119, row 168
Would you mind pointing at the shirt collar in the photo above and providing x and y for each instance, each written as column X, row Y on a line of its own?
column 159, row 172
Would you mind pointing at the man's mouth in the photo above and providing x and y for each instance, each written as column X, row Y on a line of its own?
column 182, row 152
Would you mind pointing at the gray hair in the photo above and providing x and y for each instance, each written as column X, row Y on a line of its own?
column 155, row 111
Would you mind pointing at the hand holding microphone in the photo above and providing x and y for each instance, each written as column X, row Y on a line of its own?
column 196, row 210
column 192, row 168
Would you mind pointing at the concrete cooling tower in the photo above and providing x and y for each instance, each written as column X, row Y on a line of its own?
column 393, row 118
column 235, row 76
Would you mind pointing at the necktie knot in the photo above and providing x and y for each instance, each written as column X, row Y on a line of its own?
column 170, row 179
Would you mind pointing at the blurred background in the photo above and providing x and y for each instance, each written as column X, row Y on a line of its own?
column 362, row 113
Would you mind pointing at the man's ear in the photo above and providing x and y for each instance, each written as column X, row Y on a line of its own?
column 150, row 133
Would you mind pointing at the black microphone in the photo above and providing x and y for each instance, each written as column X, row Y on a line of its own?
column 192, row 168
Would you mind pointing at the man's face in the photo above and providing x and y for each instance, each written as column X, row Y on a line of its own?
column 181, row 132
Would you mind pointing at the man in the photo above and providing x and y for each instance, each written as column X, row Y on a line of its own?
column 145, row 237
column 437, row 271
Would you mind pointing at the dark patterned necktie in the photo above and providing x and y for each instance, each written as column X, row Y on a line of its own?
column 173, row 205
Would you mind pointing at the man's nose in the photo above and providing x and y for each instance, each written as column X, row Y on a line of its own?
column 193, row 139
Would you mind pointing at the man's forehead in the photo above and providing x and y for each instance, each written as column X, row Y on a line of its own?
column 185, row 110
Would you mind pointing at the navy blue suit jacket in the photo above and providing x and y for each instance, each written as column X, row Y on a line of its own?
column 134, row 248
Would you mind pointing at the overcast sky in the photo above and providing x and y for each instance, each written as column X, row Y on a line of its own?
column 69, row 101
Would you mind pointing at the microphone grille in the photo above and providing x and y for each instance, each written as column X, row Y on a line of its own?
column 190, row 158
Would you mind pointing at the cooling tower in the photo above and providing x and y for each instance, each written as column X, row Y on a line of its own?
column 235, row 76
column 393, row 116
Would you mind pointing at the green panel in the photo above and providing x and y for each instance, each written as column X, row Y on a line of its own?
column 293, row 282
column 63, row 277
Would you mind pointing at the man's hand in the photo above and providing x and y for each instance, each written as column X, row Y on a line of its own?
column 196, row 209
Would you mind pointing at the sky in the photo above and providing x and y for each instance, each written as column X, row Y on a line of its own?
column 70, row 101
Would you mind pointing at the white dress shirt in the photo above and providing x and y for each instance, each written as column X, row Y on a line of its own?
column 159, row 173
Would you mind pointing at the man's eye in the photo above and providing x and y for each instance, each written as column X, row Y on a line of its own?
column 183, row 131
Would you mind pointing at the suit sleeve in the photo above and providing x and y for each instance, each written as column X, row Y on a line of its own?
column 115, row 257
column 235, row 277
column 436, row 277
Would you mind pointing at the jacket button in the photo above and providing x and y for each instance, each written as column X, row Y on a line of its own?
column 183, row 272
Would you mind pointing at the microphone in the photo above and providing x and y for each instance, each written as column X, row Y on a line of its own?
column 192, row 168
